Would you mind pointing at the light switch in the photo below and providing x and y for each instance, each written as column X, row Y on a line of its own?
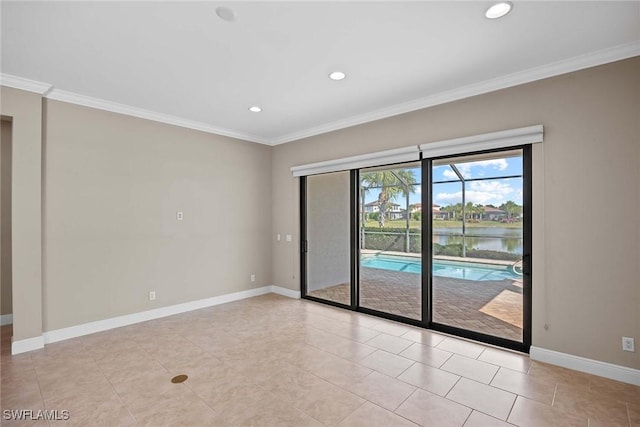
column 289, row 237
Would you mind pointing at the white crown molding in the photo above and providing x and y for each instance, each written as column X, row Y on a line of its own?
column 29, row 344
column 577, row 63
column 24, row 84
column 49, row 92
column 590, row 366
column 593, row 59
column 114, row 107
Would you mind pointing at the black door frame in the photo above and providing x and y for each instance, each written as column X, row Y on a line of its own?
column 427, row 199
column 427, row 228
column 353, row 245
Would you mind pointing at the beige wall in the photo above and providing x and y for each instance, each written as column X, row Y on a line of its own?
column 5, row 217
column 25, row 108
column 586, row 184
column 113, row 186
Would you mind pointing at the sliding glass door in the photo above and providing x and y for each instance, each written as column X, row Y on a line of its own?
column 390, row 230
column 327, row 242
column 478, row 242
column 454, row 257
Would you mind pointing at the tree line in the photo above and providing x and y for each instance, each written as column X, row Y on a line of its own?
column 475, row 211
column 402, row 182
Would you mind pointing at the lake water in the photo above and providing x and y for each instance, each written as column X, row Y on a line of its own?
column 487, row 238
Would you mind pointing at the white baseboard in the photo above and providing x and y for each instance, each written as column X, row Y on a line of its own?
column 143, row 316
column 595, row 367
column 129, row 319
column 285, row 292
column 29, row 344
column 6, row 319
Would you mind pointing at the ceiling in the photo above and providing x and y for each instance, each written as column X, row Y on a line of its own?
column 179, row 62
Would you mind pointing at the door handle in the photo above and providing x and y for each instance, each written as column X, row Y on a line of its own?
column 526, row 264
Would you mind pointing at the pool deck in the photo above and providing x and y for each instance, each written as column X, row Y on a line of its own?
column 370, row 252
column 492, row 307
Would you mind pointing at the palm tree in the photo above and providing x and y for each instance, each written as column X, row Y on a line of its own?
column 454, row 211
column 474, row 211
column 469, row 210
column 511, row 208
column 448, row 210
column 391, row 184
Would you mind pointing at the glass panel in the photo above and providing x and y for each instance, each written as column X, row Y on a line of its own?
column 477, row 167
column 478, row 243
column 390, row 240
column 328, row 223
column 443, row 173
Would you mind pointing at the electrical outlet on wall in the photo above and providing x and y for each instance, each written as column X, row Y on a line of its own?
column 628, row 344
column 152, row 295
column 253, row 277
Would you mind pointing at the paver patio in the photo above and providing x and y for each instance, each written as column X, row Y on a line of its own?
column 491, row 306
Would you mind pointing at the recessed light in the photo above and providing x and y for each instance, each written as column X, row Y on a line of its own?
column 337, row 75
column 498, row 10
column 255, row 109
column 226, row 14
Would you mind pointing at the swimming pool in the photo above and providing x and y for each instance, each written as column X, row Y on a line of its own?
column 441, row 268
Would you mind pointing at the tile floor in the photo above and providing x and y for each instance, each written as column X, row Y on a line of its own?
column 275, row 361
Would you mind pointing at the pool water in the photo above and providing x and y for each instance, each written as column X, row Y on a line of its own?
column 451, row 269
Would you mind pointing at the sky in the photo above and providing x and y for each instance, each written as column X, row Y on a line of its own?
column 495, row 191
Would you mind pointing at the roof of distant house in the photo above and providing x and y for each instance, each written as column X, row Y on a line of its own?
column 489, row 209
column 377, row 203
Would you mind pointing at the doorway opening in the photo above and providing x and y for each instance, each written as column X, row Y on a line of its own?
column 6, row 292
